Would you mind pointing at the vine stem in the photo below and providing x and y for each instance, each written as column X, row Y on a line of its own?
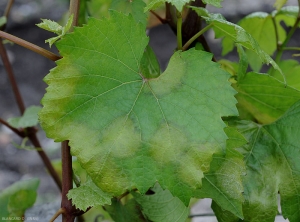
column 191, row 40
column 30, row 46
column 66, row 158
column 179, row 31
column 11, row 77
column 59, row 212
column 15, row 130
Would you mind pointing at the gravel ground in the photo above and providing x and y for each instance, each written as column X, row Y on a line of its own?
column 30, row 68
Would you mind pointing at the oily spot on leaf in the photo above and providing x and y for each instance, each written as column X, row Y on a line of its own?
column 200, row 156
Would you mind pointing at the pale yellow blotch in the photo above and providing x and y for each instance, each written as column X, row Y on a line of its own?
column 229, row 178
column 121, row 139
column 171, row 78
column 167, row 144
column 195, row 163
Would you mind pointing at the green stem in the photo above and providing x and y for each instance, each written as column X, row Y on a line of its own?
column 291, row 48
column 186, row 45
column 179, row 32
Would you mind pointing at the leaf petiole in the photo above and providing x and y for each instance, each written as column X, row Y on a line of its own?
column 179, row 30
column 191, row 40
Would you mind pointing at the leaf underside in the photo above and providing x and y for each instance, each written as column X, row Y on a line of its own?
column 129, row 131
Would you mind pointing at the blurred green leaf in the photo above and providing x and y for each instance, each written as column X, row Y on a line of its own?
column 29, row 118
column 18, row 197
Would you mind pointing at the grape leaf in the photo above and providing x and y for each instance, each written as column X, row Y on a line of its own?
column 3, row 20
column 272, row 160
column 287, row 14
column 243, row 63
column 128, row 131
column 124, row 212
column 224, row 215
column 279, row 3
column 291, row 69
column 223, row 183
column 136, row 8
column 153, row 4
column 18, row 197
column 149, row 64
column 56, row 28
column 265, row 97
column 216, row 3
column 88, row 195
column 235, row 34
column 162, row 206
column 29, row 118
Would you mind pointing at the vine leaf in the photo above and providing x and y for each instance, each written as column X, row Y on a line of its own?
column 291, row 69
column 153, row 4
column 279, row 3
column 124, row 212
column 128, row 131
column 162, row 206
column 88, row 195
column 56, row 28
column 235, row 34
column 18, row 197
column 272, row 163
column 216, row 3
column 287, row 14
column 264, row 97
column 223, row 183
column 29, row 118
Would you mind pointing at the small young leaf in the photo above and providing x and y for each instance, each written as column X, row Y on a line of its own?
column 265, row 97
column 29, row 118
column 162, row 206
column 287, row 14
column 279, row 3
column 129, row 131
column 272, row 162
column 15, row 199
column 3, row 20
column 88, row 195
column 54, row 27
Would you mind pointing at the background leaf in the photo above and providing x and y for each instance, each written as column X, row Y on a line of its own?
column 291, row 69
column 265, row 97
column 279, row 3
column 272, row 160
column 29, row 118
column 129, row 131
column 153, row 4
column 18, row 197
column 161, row 206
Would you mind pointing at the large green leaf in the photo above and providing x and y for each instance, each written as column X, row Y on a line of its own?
column 15, row 199
column 264, row 96
column 129, row 131
column 272, row 160
column 161, row 206
column 223, row 183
